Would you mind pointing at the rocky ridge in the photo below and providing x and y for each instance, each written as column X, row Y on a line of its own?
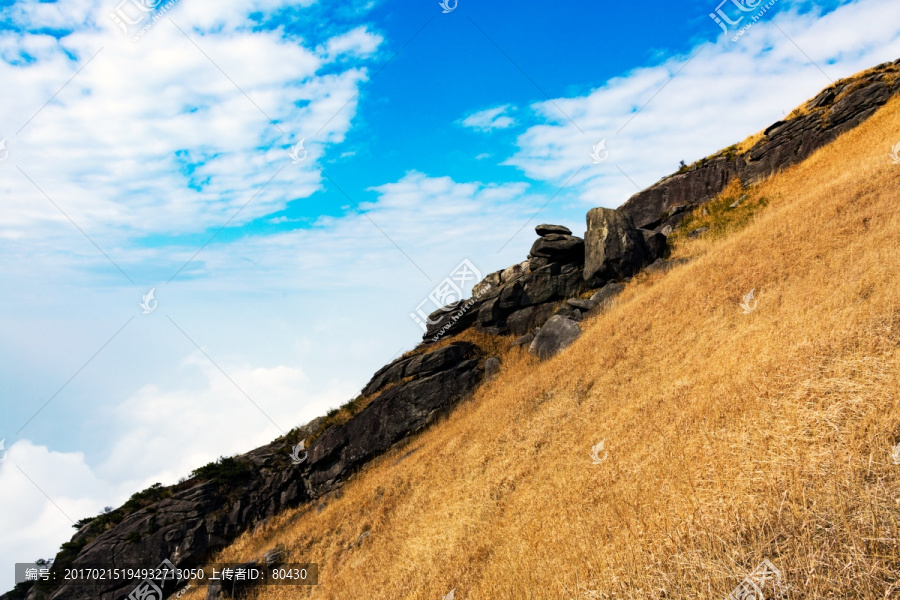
column 837, row 109
column 541, row 301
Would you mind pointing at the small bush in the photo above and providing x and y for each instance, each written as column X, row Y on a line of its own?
column 225, row 470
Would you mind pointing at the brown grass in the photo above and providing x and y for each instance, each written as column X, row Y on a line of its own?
column 732, row 437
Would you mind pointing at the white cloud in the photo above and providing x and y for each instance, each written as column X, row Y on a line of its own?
column 160, row 436
column 160, row 135
column 653, row 118
column 490, row 119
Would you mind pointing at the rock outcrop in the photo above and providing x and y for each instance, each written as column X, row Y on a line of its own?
column 614, row 248
column 557, row 334
column 837, row 109
column 188, row 522
column 560, row 267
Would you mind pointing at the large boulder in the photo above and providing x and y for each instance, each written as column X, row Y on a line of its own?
column 546, row 229
column 657, row 243
column 557, row 334
column 614, row 248
column 558, row 248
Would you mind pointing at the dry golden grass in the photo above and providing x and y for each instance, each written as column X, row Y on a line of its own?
column 732, row 437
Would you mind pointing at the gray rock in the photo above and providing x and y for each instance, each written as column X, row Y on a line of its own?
column 557, row 334
column 656, row 242
column 514, row 272
column 613, row 246
column 525, row 340
column 542, row 286
column 662, row 266
column 698, row 232
column 604, row 296
column 545, row 229
column 491, row 367
column 491, row 281
column 581, row 304
column 558, row 248
column 520, row 321
column 783, row 144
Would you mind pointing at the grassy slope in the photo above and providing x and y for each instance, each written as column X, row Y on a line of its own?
column 732, row 437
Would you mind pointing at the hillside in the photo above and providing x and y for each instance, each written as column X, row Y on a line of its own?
column 732, row 366
column 732, row 437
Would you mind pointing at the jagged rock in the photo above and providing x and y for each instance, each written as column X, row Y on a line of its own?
column 390, row 373
column 581, row 304
column 613, row 246
column 545, row 229
column 557, row 334
column 491, row 367
column 525, row 340
column 604, row 296
column 541, row 285
column 520, row 321
column 391, row 416
column 514, row 272
column 558, row 248
column 656, row 242
column 784, row 143
column 486, row 284
column 440, row 359
column 510, row 295
column 489, row 311
column 198, row 518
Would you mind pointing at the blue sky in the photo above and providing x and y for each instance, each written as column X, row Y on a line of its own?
column 430, row 138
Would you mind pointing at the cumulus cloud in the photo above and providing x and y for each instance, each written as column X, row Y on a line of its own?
column 172, row 134
column 690, row 106
column 490, row 119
